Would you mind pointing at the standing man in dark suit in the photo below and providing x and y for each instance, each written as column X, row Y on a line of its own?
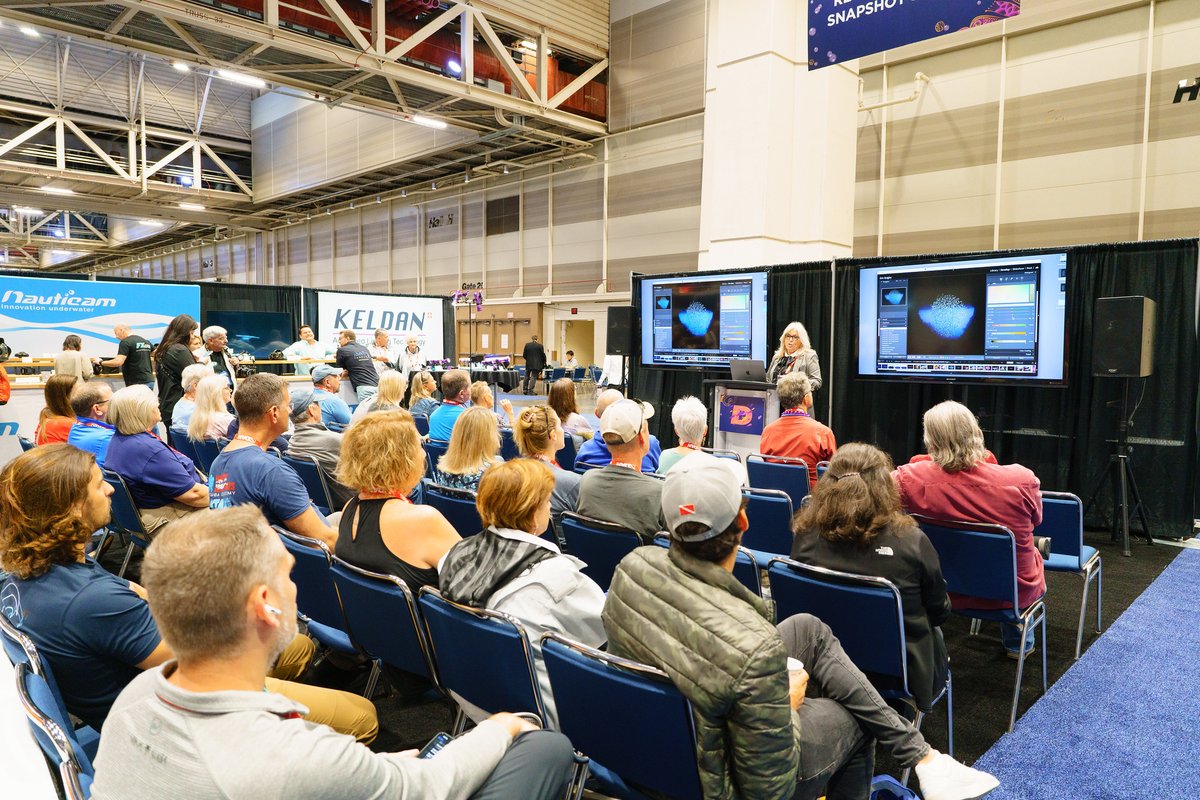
column 535, row 361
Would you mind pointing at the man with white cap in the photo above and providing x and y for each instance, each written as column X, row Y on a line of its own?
column 619, row 492
column 781, row 712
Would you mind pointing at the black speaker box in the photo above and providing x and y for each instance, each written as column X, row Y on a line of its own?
column 620, row 331
column 1123, row 337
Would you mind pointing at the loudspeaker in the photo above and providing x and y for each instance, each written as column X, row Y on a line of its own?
column 1123, row 337
column 620, row 331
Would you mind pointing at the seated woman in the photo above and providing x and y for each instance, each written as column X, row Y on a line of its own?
column 164, row 482
column 56, row 419
column 529, row 578
column 690, row 417
column 539, row 435
column 562, row 400
column 958, row 483
column 381, row 530
column 72, row 361
column 854, row 524
column 181, row 415
column 390, row 395
column 420, row 394
column 211, row 418
column 474, row 446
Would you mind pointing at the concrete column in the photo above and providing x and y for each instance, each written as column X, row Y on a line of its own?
column 779, row 141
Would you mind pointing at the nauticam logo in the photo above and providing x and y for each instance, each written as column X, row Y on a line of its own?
column 19, row 298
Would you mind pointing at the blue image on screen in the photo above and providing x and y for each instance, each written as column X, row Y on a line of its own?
column 696, row 318
column 664, row 302
column 894, row 297
column 947, row 316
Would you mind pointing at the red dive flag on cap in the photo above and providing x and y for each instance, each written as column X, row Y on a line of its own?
column 688, row 509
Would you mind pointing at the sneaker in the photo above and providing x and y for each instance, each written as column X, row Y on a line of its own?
column 1015, row 655
column 943, row 778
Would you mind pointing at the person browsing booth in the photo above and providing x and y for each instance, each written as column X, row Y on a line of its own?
column 619, row 492
column 91, row 431
column 133, row 357
column 328, row 382
column 796, row 434
column 356, row 363
column 456, row 391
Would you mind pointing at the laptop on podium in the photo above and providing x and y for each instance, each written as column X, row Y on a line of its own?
column 743, row 369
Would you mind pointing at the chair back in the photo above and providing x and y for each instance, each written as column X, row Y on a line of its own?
column 17, row 646
column 1062, row 521
column 581, row 467
column 316, row 596
column 732, row 455
column 595, row 372
column 508, row 445
column 125, row 516
column 770, row 515
column 483, row 656
column 616, row 711
column 313, row 477
column 381, row 614
column 785, row 474
column 434, row 450
column 457, row 506
column 207, row 451
column 422, row 423
column 580, row 373
column 745, row 568
column 822, row 468
column 977, row 559
column 180, row 441
column 557, row 373
column 600, row 545
column 54, row 734
column 26, row 444
column 566, row 455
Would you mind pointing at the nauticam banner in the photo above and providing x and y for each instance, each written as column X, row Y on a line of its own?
column 36, row 314
column 400, row 316
column 841, row 30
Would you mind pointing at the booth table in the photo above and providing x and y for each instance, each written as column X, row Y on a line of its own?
column 505, row 379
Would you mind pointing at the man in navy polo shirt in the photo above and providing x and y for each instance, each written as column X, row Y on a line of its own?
column 89, row 401
column 358, row 365
column 456, row 389
column 245, row 473
column 327, row 382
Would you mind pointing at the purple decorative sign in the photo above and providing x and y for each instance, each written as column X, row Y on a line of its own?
column 841, row 30
column 741, row 414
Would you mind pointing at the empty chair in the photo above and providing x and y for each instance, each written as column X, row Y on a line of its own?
column 552, row 375
column 1062, row 521
column 745, row 568
column 125, row 517
column 579, row 374
column 457, row 506
column 422, row 423
column 54, row 734
column 566, row 456
column 624, row 715
column 600, row 545
column 770, row 514
column 207, row 451
column 785, row 474
column 980, row 560
column 310, row 472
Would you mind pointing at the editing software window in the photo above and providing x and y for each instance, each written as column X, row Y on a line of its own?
column 701, row 323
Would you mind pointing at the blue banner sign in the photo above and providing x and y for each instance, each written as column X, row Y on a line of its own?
column 36, row 314
column 841, row 30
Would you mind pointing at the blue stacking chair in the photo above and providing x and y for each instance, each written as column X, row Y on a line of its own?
column 553, row 374
column 482, row 656
column 822, row 468
column 866, row 614
column 457, row 506
column 26, row 444
column 732, row 455
column 745, row 568
column 566, row 455
column 381, row 613
column 1062, row 521
column 180, row 441
column 595, row 372
column 616, row 711
column 770, row 514
column 310, row 472
column 582, row 468
column 785, row 474
column 600, row 545
column 125, row 517
column 54, row 734
column 207, row 451
column 980, row 560
column 422, row 423
column 508, row 445
column 579, row 374
column 434, row 449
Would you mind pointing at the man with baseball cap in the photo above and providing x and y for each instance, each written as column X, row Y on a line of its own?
column 619, row 492
column 781, row 711
column 327, row 382
column 310, row 437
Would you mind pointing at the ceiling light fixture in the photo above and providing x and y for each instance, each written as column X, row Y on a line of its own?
column 433, row 184
column 180, row 66
column 57, row 190
column 239, row 78
column 428, row 122
column 153, row 223
column 29, row 31
column 191, row 206
column 453, row 67
column 404, row 192
column 26, row 211
column 59, row 233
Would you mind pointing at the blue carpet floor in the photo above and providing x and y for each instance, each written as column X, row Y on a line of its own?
column 1122, row 722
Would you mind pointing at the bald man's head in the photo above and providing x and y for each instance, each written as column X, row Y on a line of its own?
column 606, row 399
column 121, row 330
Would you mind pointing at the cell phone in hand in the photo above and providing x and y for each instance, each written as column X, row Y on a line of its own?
column 794, row 664
column 435, row 745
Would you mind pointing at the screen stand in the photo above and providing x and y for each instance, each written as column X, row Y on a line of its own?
column 1124, row 487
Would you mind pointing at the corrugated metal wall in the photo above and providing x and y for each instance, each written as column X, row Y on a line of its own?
column 583, row 19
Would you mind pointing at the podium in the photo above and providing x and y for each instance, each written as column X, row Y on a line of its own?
column 740, row 411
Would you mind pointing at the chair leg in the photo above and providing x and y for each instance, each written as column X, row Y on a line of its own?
column 975, row 623
column 1082, row 617
column 1099, row 590
column 1044, row 648
column 579, row 776
column 372, row 680
column 460, row 722
column 904, row 776
column 1012, row 719
column 950, row 713
column 128, row 558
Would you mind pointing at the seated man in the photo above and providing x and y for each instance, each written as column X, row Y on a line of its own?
column 766, row 726
column 796, row 434
column 570, row 365
column 209, row 726
column 245, row 473
column 481, row 395
column 594, row 452
column 91, row 431
column 327, row 383
column 456, row 391
column 619, row 492
column 181, row 415
column 312, row 438
column 93, row 628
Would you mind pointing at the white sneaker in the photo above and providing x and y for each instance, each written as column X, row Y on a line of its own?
column 943, row 778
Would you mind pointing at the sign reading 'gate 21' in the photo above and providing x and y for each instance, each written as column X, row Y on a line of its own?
column 841, row 30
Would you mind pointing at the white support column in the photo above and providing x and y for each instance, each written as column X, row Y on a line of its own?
column 779, row 141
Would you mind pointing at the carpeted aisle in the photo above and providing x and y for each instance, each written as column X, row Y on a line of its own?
column 1120, row 723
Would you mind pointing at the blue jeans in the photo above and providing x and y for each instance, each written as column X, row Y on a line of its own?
column 365, row 392
column 1011, row 636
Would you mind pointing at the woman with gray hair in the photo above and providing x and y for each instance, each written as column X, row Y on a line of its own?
column 795, row 354
column 164, row 482
column 959, row 482
column 690, row 417
column 181, row 415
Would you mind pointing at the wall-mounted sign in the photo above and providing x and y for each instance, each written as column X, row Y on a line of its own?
column 441, row 219
column 400, row 316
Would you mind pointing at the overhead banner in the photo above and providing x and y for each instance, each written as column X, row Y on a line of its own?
column 400, row 316
column 36, row 314
column 842, row 30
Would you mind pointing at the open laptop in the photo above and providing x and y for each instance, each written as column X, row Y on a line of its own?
column 743, row 369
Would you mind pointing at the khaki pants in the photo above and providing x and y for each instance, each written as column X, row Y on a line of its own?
column 344, row 712
column 155, row 518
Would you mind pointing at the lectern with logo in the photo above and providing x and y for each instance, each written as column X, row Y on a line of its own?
column 740, row 411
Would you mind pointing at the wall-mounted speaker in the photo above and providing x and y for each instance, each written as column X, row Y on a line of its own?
column 1123, row 337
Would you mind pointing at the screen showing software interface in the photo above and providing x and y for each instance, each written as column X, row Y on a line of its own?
column 996, row 319
column 702, row 323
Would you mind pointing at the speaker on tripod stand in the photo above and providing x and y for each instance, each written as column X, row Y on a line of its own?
column 1123, row 347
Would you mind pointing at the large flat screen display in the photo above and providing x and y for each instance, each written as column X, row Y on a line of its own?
column 982, row 319
column 704, row 320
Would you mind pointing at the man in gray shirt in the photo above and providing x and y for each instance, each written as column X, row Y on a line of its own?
column 620, row 493
column 310, row 437
column 204, row 727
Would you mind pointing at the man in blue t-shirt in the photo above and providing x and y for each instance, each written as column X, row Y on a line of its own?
column 456, row 389
column 327, row 382
column 245, row 473
column 91, row 431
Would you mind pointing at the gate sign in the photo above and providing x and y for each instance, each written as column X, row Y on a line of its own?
column 36, row 314
column 841, row 30
column 400, row 316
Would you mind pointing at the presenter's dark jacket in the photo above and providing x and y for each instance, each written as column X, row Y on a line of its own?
column 805, row 363
column 535, row 356
column 905, row 556
column 169, row 372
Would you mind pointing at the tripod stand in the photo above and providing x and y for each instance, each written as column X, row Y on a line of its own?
column 1124, row 487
